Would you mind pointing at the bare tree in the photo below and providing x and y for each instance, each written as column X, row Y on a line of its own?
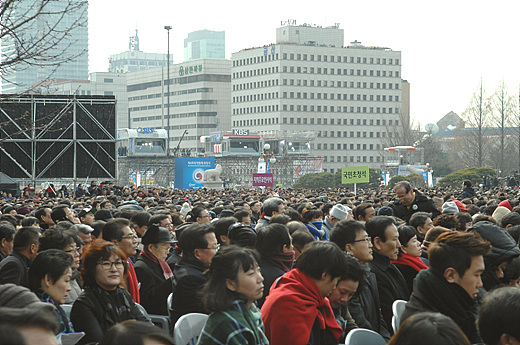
column 39, row 33
column 401, row 132
column 503, row 119
column 471, row 145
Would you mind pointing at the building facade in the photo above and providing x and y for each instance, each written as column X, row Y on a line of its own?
column 135, row 60
column 60, row 31
column 350, row 95
column 205, row 44
column 199, row 99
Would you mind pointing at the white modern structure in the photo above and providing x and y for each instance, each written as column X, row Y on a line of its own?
column 200, row 101
column 309, row 81
column 205, row 44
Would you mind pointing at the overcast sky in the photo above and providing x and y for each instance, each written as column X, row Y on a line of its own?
column 447, row 46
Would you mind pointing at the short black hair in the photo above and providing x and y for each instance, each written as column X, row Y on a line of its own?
column 157, row 218
column 58, row 213
column 55, row 239
column 376, row 227
column 134, row 332
column 345, row 232
column 311, row 214
column 419, row 218
column 222, row 225
column 407, row 186
column 512, row 218
column 141, row 218
column 406, row 233
column 193, row 238
column 301, row 238
column 52, row 262
column 7, row 231
column 361, row 210
column 355, row 272
column 271, row 205
column 499, row 315
column 322, row 257
column 270, row 240
column 240, row 215
column 25, row 237
column 113, row 229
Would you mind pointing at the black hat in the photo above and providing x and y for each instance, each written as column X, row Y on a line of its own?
column 156, row 234
column 105, row 215
column 84, row 212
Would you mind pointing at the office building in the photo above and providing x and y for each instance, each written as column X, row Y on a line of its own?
column 200, row 97
column 205, row 44
column 62, row 52
column 135, row 60
column 308, row 80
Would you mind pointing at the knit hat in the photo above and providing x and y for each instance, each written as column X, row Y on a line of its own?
column 460, row 205
column 500, row 212
column 385, row 211
column 185, row 209
column 450, row 208
column 15, row 296
column 506, row 203
column 340, row 211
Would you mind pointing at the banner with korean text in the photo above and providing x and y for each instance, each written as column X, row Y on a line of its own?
column 355, row 175
column 262, row 180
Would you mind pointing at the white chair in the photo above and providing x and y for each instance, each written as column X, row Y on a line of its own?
column 161, row 321
column 67, row 308
column 169, row 303
column 188, row 328
column 397, row 309
column 361, row 336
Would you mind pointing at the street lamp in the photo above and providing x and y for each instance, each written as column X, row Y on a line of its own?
column 168, row 28
column 267, row 157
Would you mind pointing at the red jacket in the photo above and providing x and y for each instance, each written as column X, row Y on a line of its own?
column 291, row 309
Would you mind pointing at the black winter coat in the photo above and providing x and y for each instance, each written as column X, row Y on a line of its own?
column 390, row 284
column 365, row 307
column 155, row 289
column 433, row 293
column 421, row 203
column 189, row 274
column 14, row 269
column 90, row 315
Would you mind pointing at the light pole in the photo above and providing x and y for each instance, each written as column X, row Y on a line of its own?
column 168, row 28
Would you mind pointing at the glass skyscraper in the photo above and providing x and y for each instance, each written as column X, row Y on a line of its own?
column 57, row 40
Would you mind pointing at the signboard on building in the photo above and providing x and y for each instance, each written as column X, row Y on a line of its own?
column 355, row 175
column 189, row 171
column 185, row 70
column 262, row 180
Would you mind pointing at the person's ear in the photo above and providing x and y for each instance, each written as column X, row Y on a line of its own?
column 450, row 274
column 231, row 284
column 348, row 248
column 378, row 243
column 506, row 339
column 196, row 253
column 324, row 276
column 404, row 249
column 47, row 281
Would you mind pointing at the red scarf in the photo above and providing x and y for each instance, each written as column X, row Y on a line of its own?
column 412, row 261
column 167, row 271
column 133, row 284
column 291, row 308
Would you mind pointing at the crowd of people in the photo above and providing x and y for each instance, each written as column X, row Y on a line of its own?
column 269, row 266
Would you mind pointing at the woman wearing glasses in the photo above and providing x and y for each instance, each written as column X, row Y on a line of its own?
column 103, row 303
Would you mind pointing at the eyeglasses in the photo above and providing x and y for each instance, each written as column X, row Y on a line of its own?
column 130, row 237
column 367, row 239
column 217, row 247
column 106, row 265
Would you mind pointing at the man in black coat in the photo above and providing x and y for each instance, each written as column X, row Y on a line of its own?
column 199, row 245
column 14, row 269
column 390, row 282
column 451, row 284
column 364, row 307
column 410, row 201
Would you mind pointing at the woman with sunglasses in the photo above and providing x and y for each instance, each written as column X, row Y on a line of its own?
column 103, row 303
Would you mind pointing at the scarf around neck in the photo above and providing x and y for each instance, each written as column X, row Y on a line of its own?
column 283, row 261
column 167, row 271
column 414, row 262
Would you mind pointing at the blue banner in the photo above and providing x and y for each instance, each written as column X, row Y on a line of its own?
column 189, row 171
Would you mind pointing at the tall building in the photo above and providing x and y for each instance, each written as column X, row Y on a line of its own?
column 351, row 96
column 199, row 99
column 205, row 44
column 58, row 36
column 135, row 60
